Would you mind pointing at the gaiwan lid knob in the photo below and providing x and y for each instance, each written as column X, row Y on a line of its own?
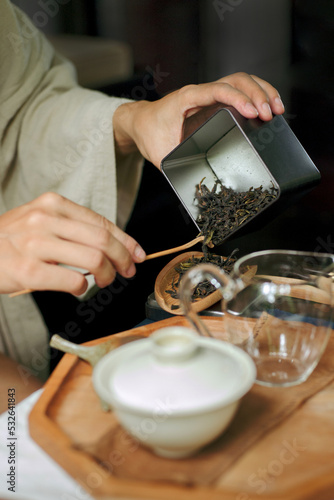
column 174, row 344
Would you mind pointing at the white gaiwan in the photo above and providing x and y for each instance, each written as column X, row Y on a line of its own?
column 174, row 391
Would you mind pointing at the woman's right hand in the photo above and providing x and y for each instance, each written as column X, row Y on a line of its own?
column 157, row 127
column 52, row 230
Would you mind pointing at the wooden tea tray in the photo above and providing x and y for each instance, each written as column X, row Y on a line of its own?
column 280, row 445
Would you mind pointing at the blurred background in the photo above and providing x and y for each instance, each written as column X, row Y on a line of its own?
column 143, row 49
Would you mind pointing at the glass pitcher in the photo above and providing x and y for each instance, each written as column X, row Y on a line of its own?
column 277, row 306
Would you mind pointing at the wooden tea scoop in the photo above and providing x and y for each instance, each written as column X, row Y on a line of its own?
column 164, row 282
column 175, row 249
column 148, row 257
column 168, row 275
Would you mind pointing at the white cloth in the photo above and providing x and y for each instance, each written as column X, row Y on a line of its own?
column 37, row 475
column 55, row 136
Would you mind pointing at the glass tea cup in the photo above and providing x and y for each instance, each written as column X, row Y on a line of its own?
column 277, row 306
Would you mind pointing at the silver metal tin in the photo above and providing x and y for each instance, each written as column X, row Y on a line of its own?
column 241, row 153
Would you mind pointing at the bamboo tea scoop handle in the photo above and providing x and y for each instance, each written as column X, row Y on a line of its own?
column 175, row 249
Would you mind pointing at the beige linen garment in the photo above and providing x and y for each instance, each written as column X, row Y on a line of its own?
column 55, row 136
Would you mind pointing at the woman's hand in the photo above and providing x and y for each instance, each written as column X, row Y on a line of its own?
column 51, row 230
column 155, row 128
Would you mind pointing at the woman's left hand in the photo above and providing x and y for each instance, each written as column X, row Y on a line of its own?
column 155, row 128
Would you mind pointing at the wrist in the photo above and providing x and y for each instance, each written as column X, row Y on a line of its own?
column 124, row 125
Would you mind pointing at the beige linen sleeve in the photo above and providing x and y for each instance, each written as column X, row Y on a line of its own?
column 55, row 136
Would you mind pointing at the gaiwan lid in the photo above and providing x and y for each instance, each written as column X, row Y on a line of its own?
column 174, row 370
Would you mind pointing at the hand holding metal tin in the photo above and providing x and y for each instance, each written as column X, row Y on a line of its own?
column 156, row 127
column 241, row 153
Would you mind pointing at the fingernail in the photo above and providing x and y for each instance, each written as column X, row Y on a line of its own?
column 131, row 271
column 139, row 253
column 266, row 109
column 251, row 109
column 278, row 102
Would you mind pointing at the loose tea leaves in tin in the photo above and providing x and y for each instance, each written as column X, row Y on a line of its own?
column 222, row 210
